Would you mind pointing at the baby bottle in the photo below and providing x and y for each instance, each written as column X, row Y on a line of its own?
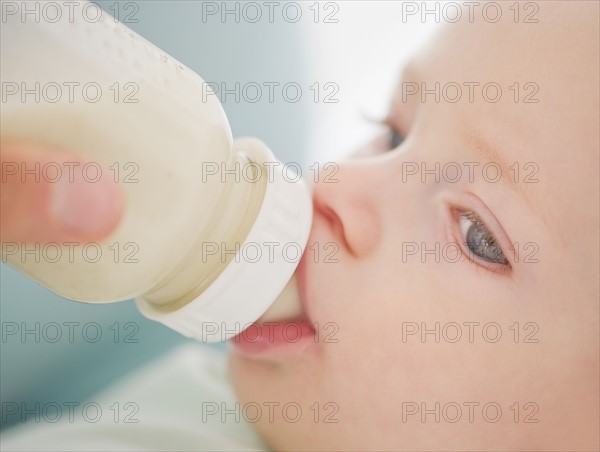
column 213, row 229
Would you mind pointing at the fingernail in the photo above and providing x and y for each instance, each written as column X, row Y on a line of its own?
column 85, row 207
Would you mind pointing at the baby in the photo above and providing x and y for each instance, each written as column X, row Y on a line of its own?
column 456, row 307
column 464, row 296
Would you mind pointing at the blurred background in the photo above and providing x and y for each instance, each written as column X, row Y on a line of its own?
column 345, row 56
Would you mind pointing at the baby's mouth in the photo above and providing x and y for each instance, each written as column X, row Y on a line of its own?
column 283, row 330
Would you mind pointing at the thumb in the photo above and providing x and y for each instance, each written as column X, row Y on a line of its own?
column 47, row 197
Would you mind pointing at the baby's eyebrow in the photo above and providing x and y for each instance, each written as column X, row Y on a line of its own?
column 488, row 152
column 477, row 140
column 512, row 176
column 477, row 137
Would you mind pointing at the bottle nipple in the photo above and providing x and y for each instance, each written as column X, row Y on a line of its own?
column 287, row 306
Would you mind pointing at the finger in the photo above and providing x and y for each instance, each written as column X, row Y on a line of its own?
column 47, row 197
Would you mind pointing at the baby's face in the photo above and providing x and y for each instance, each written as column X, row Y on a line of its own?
column 501, row 258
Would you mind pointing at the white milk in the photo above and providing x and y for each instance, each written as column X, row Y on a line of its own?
column 101, row 90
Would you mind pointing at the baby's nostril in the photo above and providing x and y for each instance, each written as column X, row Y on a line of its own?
column 330, row 214
column 335, row 223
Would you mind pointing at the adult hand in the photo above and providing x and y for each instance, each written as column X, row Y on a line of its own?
column 37, row 205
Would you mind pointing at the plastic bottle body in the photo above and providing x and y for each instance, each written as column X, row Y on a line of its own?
column 128, row 108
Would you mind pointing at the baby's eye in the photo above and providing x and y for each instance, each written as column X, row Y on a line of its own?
column 395, row 139
column 479, row 240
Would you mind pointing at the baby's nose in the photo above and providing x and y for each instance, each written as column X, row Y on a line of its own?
column 348, row 202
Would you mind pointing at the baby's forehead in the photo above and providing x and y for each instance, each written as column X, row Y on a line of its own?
column 539, row 79
column 563, row 41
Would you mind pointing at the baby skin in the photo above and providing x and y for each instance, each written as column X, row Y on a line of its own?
column 461, row 309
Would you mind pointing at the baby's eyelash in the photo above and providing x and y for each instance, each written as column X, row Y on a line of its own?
column 396, row 136
column 483, row 243
column 473, row 217
column 396, row 139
